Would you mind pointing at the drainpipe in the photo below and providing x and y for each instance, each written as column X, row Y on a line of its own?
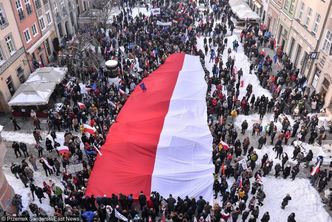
column 318, row 45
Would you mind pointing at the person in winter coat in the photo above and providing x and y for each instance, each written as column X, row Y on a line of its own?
column 24, row 149
column 48, row 144
column 286, row 171
column 279, row 151
column 284, row 160
column 260, row 197
column 33, row 190
column 252, row 219
column 15, row 169
column 244, row 126
column 284, row 202
column 277, row 169
column 29, row 173
column 291, row 218
column 16, row 148
column 261, row 141
column 33, row 160
column 253, row 159
column 295, row 171
column 23, row 178
column 308, row 158
column 39, row 193
column 88, row 216
column 245, row 215
column 266, row 217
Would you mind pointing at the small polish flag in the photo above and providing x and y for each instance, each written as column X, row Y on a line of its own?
column 81, row 105
column 63, row 150
column 223, row 145
column 315, row 170
column 89, row 129
column 121, row 92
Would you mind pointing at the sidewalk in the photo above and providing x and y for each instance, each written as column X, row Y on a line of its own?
column 25, row 123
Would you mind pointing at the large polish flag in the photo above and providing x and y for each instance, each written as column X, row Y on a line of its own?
column 161, row 140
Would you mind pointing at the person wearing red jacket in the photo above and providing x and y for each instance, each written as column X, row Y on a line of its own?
column 287, row 136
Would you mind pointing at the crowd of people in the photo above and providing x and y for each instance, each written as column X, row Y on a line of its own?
column 101, row 100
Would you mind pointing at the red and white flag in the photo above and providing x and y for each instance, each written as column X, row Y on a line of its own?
column 161, row 140
column 89, row 129
column 63, row 150
column 81, row 105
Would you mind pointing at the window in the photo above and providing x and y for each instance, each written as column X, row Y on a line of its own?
column 37, row 3
column 42, row 23
column 27, row 35
column 34, row 30
column 3, row 20
column 2, row 57
column 316, row 24
column 301, row 11
column 48, row 17
column 20, row 74
column 19, row 9
column 326, row 83
column 10, row 44
column 291, row 6
column 28, row 6
column 307, row 21
column 10, row 85
column 286, row 5
column 327, row 43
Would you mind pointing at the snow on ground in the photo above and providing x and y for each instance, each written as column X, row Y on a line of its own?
column 28, row 137
column 306, row 202
column 39, row 177
column 254, row 118
column 241, row 61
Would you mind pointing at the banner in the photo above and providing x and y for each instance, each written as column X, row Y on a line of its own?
column 120, row 216
column 243, row 164
column 155, row 11
column 164, row 23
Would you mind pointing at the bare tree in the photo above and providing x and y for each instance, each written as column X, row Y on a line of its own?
column 106, row 8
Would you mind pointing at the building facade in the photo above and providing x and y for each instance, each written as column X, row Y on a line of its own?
column 273, row 12
column 30, row 32
column 320, row 77
column 65, row 14
column 14, row 65
column 47, row 27
column 306, row 32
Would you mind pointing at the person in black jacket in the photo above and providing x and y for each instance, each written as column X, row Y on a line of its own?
column 284, row 202
column 286, row 171
column 16, row 148
column 291, row 218
column 142, row 200
column 266, row 217
column 24, row 149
